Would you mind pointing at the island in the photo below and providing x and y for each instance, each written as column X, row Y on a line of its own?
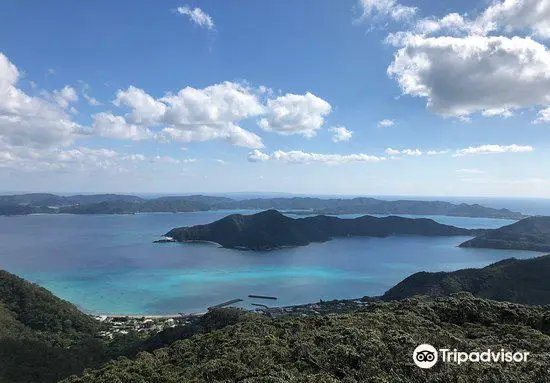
column 271, row 229
column 511, row 280
column 23, row 204
column 531, row 234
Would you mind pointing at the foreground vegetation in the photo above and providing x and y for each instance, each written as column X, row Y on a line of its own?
column 373, row 344
column 44, row 339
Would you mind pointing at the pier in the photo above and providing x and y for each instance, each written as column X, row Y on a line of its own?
column 262, row 297
column 224, row 304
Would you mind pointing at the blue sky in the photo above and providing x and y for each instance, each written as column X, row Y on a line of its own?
column 322, row 97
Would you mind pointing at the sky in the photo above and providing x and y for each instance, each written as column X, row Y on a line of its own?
column 358, row 97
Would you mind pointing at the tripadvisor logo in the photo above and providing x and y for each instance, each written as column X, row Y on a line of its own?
column 426, row 356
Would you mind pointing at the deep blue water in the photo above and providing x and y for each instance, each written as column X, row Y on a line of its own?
column 108, row 263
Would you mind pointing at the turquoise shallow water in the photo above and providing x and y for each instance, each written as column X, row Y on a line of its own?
column 108, row 263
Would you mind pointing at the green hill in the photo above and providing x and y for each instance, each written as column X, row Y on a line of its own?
column 525, row 281
column 42, row 338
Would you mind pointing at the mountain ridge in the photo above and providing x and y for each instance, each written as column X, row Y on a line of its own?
column 20, row 204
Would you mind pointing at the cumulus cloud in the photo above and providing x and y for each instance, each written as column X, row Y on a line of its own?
column 376, row 9
column 518, row 15
column 194, row 114
column 493, row 149
column 295, row 114
column 461, row 76
column 386, row 123
column 300, row 157
column 32, row 121
column 341, row 134
column 145, row 109
column 258, row 156
column 197, row 16
column 109, row 125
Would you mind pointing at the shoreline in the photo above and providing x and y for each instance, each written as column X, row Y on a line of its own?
column 151, row 316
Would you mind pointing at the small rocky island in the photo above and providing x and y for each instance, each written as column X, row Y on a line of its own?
column 531, row 233
column 270, row 230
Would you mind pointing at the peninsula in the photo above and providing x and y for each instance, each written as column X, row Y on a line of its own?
column 531, row 233
column 270, row 230
column 512, row 280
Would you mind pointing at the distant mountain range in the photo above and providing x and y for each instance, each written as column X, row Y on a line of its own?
column 22, row 204
column 526, row 281
column 531, row 233
column 271, row 229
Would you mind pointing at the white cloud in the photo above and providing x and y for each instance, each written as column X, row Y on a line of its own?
column 543, row 116
column 405, row 152
column 64, row 97
column 196, row 114
column 503, row 112
column 85, row 88
column 91, row 100
column 461, row 76
column 197, row 16
column 231, row 133
column 341, row 134
column 436, row 152
column 374, row 9
column 492, row 149
column 386, row 123
column 295, row 114
column 31, row 121
column 518, row 15
column 109, row 125
column 41, row 159
column 392, row 152
column 257, row 156
column 501, row 17
column 300, row 157
column 145, row 109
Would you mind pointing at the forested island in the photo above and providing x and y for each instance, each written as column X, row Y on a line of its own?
column 22, row 204
column 271, row 229
column 531, row 234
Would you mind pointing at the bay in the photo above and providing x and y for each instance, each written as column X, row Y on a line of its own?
column 108, row 264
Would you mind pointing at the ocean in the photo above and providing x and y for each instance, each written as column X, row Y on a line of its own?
column 108, row 264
